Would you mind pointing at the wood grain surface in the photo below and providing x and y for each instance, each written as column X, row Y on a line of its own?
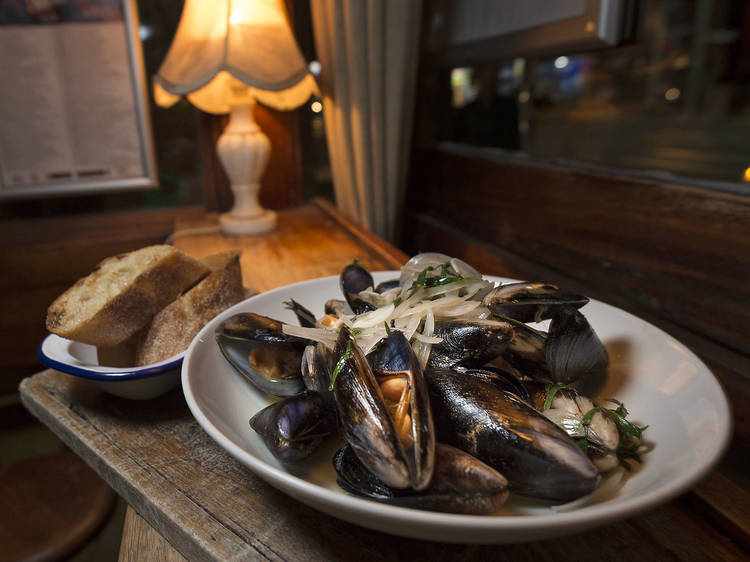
column 680, row 253
column 208, row 506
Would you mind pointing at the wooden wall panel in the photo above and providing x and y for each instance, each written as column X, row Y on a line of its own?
column 675, row 253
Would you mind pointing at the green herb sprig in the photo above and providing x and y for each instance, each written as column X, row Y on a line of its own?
column 446, row 275
column 340, row 364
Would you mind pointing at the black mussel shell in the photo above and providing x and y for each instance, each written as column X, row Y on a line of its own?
column 318, row 364
column 251, row 326
column 336, row 307
column 537, row 457
column 530, row 302
column 366, row 422
column 387, row 285
column 296, row 426
column 460, row 483
column 258, row 349
column 503, row 379
column 468, row 343
column 573, row 349
column 354, row 279
column 305, row 318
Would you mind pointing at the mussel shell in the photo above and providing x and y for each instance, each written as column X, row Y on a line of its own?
column 251, row 326
column 365, row 420
column 305, row 318
column 526, row 350
column 469, row 343
column 294, row 427
column 318, row 363
column 387, row 285
column 277, row 370
column 573, row 350
column 336, row 307
column 530, row 302
column 460, row 483
column 353, row 279
column 537, row 457
column 503, row 379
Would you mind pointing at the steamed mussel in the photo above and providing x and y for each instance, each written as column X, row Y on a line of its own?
column 384, row 410
column 492, row 424
column 460, row 483
column 438, row 387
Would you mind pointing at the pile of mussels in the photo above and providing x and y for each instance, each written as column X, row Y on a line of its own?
column 447, row 399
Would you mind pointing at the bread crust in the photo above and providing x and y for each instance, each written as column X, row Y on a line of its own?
column 173, row 328
column 159, row 275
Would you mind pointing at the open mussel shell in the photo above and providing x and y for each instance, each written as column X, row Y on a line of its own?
column 537, row 457
column 401, row 459
column 460, row 483
column 469, row 343
column 530, row 302
column 353, row 279
column 573, row 350
column 258, row 349
column 526, row 350
column 295, row 427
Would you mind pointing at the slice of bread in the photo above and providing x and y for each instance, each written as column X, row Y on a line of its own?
column 172, row 329
column 120, row 355
column 122, row 295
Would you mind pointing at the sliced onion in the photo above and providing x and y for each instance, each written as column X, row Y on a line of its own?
column 323, row 335
column 374, row 317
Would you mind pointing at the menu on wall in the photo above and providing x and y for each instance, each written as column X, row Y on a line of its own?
column 70, row 115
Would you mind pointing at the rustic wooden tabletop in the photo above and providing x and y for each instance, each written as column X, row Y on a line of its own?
column 189, row 498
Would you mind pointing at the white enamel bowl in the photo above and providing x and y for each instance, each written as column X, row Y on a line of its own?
column 136, row 383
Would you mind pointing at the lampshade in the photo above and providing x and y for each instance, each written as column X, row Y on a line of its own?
column 225, row 49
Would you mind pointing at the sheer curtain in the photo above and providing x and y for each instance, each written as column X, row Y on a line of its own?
column 368, row 52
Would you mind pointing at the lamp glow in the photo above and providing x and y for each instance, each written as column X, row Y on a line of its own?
column 225, row 56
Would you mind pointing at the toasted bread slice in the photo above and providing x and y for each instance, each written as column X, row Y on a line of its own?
column 172, row 329
column 122, row 295
column 120, row 355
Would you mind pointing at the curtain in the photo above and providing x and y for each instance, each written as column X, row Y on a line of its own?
column 368, row 51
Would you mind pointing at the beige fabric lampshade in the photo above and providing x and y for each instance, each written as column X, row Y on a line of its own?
column 229, row 48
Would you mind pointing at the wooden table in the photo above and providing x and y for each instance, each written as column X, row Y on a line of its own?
column 189, row 498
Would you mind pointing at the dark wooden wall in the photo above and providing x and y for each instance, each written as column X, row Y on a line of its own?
column 677, row 256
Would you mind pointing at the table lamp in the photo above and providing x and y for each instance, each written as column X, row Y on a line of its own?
column 227, row 54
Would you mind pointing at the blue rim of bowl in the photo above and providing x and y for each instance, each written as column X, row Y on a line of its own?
column 125, row 375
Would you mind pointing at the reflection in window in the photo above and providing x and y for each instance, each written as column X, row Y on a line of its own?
column 676, row 100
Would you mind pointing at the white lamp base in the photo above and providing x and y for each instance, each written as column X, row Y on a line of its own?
column 237, row 226
column 244, row 151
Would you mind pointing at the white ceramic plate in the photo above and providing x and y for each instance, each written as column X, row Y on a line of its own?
column 137, row 383
column 663, row 385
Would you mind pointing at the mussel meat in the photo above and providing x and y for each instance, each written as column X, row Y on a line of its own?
column 568, row 409
column 259, row 350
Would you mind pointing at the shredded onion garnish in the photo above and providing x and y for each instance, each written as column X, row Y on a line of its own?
column 438, row 290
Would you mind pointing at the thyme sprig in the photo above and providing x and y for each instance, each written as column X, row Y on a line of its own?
column 447, row 275
column 340, row 364
column 630, row 433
